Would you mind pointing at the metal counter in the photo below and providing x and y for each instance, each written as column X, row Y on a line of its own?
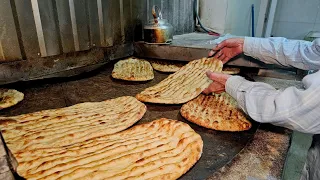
column 220, row 148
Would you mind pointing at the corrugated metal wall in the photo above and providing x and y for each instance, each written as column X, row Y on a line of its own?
column 30, row 29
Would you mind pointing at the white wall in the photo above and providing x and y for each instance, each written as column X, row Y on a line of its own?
column 238, row 20
column 213, row 14
column 229, row 16
column 295, row 18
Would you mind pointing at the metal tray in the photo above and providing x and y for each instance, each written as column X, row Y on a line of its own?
column 219, row 147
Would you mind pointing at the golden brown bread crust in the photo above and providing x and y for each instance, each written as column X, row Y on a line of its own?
column 10, row 97
column 217, row 112
column 183, row 85
column 66, row 126
column 133, row 69
column 161, row 149
column 166, row 66
column 230, row 70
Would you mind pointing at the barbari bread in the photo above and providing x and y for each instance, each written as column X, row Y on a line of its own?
column 66, row 126
column 218, row 111
column 166, row 66
column 133, row 69
column 183, row 85
column 10, row 97
column 162, row 149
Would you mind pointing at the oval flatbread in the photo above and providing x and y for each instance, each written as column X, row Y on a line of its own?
column 230, row 70
column 166, row 66
column 161, row 149
column 133, row 69
column 183, row 85
column 66, row 126
column 218, row 111
column 10, row 97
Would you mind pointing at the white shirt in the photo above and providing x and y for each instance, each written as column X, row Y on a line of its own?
column 297, row 109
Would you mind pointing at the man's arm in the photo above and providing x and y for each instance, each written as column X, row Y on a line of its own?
column 292, row 108
column 300, row 54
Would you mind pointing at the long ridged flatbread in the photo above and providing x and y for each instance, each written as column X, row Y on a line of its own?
column 218, row 111
column 66, row 126
column 161, row 149
column 133, row 69
column 183, row 85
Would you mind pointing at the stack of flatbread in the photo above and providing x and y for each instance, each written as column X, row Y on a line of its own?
column 84, row 142
column 162, row 149
column 218, row 111
column 183, row 85
column 66, row 126
column 10, row 97
column 166, row 66
column 133, row 69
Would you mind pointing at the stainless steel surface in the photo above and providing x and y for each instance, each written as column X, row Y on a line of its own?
column 65, row 26
column 192, row 46
column 9, row 44
column 61, row 65
column 179, row 13
column 33, row 30
column 47, row 27
column 27, row 28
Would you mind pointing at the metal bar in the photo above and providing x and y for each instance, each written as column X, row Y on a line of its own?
column 37, row 20
column 94, row 25
column 270, row 20
column 122, row 21
column 108, row 18
column 27, row 28
column 252, row 20
column 74, row 25
column 262, row 17
column 81, row 14
column 65, row 29
column 101, row 24
column 10, row 49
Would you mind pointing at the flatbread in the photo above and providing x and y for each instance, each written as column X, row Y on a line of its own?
column 66, row 126
column 162, row 149
column 133, row 69
column 166, row 66
column 10, row 97
column 218, row 111
column 230, row 70
column 183, row 85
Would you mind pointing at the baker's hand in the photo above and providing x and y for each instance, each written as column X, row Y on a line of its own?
column 228, row 49
column 218, row 84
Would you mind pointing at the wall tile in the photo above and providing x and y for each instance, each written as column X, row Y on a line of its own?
column 291, row 30
column 316, row 27
column 318, row 16
column 297, row 10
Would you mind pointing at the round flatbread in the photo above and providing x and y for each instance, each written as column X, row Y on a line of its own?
column 183, row 85
column 161, row 149
column 10, row 97
column 218, row 112
column 133, row 69
column 166, row 66
column 230, row 70
column 66, row 126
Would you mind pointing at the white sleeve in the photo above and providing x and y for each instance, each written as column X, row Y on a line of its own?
column 295, row 53
column 292, row 108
